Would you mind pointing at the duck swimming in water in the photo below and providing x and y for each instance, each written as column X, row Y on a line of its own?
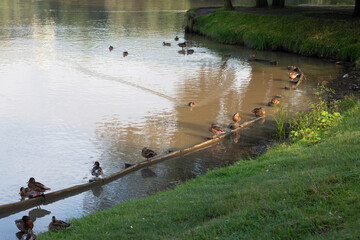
column 258, row 112
column 55, row 224
column 176, row 38
column 166, row 44
column 37, row 187
column 111, row 48
column 191, row 104
column 274, row 101
column 125, row 54
column 148, row 153
column 189, row 51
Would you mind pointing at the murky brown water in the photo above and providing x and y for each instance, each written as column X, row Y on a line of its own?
column 66, row 101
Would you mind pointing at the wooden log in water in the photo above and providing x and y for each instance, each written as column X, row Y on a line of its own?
column 271, row 62
column 11, row 208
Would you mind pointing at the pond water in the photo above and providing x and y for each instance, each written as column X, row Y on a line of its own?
column 67, row 101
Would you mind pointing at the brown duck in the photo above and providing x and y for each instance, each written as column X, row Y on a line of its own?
column 37, row 187
column 176, row 38
column 258, row 111
column 166, row 44
column 293, row 75
column 236, row 117
column 111, row 48
column 55, row 224
column 24, row 224
column 191, row 104
column 189, row 51
column 125, row 54
column 182, row 45
column 29, row 235
column 24, row 192
column 148, row 153
column 274, row 101
column 216, row 130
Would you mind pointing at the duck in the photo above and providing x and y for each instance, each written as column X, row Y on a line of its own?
column 148, row 153
column 236, row 117
column 216, row 130
column 55, row 224
column 182, row 45
column 111, row 48
column 191, row 104
column 97, row 171
column 258, row 111
column 176, row 38
column 189, row 51
column 354, row 87
column 252, row 56
column 24, row 192
column 24, row 224
column 29, row 235
column 166, row 44
column 125, row 53
column 182, row 52
column 274, row 101
column 37, row 187
column 293, row 75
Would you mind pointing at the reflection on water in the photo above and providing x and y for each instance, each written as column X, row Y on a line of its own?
column 67, row 101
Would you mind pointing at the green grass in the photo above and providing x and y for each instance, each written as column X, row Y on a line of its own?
column 301, row 33
column 290, row 192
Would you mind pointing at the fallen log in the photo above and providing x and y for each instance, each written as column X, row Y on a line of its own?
column 11, row 208
column 270, row 62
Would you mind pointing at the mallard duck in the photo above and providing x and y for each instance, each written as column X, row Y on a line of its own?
column 216, row 130
column 275, row 100
column 55, row 224
column 176, row 38
column 30, row 235
column 189, row 51
column 236, row 117
column 191, row 104
column 125, row 53
column 148, row 153
column 111, row 48
column 24, row 224
column 24, row 192
column 182, row 45
column 96, row 171
column 293, row 75
column 166, row 44
column 258, row 111
column 37, row 187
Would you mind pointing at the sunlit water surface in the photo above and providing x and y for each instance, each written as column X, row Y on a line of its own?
column 67, row 101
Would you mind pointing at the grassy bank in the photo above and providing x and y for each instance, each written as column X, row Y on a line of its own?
column 311, row 34
column 299, row 191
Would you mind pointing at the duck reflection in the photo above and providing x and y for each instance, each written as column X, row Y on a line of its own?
column 97, row 191
column 147, row 173
column 38, row 213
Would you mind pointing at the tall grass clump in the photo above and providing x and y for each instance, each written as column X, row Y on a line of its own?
column 283, row 122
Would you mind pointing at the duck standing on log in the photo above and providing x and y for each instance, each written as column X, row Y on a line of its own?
column 216, row 130
column 55, row 224
column 148, row 153
column 258, row 112
column 24, row 224
column 236, row 118
column 36, row 187
column 97, row 171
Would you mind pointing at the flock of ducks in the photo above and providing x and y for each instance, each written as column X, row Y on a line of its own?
column 167, row 44
column 26, row 225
